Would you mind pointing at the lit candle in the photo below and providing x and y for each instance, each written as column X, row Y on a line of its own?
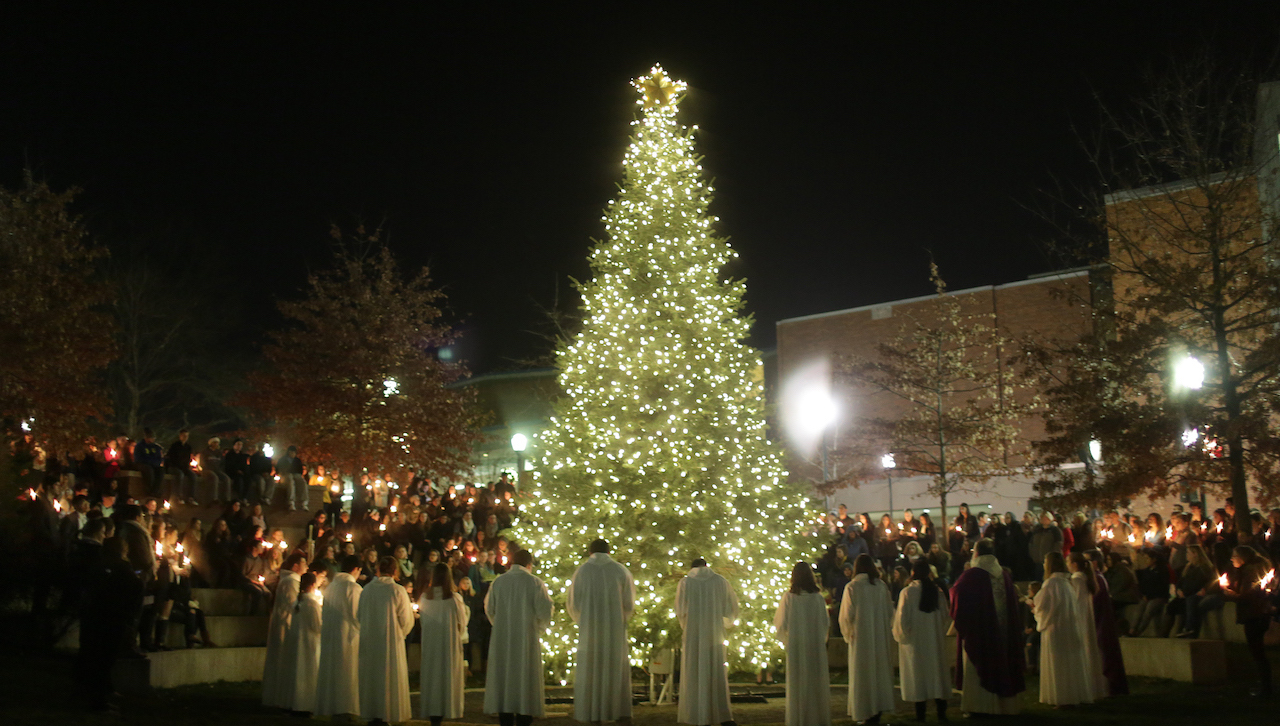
column 1132, row 539
column 1265, row 582
column 393, row 509
column 261, row 579
column 268, row 545
column 1168, row 532
column 382, row 527
column 284, row 545
column 348, row 536
column 415, row 607
column 887, row 531
column 179, row 548
column 159, row 550
column 1222, row 581
column 166, row 504
column 1218, row 527
column 57, row 505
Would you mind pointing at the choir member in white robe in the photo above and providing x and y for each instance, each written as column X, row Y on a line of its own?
column 601, row 598
column 519, row 607
column 300, row 665
column 705, row 606
column 1085, row 586
column 1062, row 674
column 274, row 682
column 920, row 627
column 443, row 674
column 866, row 619
column 802, row 623
column 338, row 689
column 386, row 617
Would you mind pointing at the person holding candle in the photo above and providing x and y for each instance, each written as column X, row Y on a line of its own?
column 386, row 617
column 300, row 665
column 520, row 608
column 1248, row 586
column 1153, row 585
column 275, row 686
column 920, row 627
column 886, row 546
column 337, row 683
column 177, row 462
column 600, row 599
column 1064, row 678
column 802, row 622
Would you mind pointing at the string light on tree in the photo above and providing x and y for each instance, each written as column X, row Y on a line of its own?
column 659, row 443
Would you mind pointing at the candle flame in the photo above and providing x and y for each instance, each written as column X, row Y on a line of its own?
column 159, row 549
column 1265, row 582
column 261, row 578
column 1132, row 539
column 348, row 536
column 1222, row 581
column 179, row 547
column 57, row 505
column 1219, row 527
column 166, row 504
column 1168, row 532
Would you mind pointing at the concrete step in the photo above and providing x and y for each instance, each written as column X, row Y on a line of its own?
column 227, row 631
column 221, row 601
column 1181, row 659
column 185, row 667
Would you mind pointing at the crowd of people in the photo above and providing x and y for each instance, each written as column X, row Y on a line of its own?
column 433, row 564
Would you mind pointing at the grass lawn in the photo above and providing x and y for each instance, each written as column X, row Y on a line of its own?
column 34, row 691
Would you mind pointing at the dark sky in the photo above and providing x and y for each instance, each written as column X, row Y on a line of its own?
column 844, row 143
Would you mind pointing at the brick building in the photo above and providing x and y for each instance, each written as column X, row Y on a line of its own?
column 1053, row 305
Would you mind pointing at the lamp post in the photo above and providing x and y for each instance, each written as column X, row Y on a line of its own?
column 887, row 461
column 1188, row 375
column 519, row 442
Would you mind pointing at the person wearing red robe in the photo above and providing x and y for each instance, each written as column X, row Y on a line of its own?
column 984, row 607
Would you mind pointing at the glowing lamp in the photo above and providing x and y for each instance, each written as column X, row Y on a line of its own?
column 267, row 451
column 1095, row 450
column 887, row 461
column 519, row 442
column 1188, row 373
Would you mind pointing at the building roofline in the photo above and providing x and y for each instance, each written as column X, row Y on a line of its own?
column 1035, row 279
column 506, row 376
column 1173, row 187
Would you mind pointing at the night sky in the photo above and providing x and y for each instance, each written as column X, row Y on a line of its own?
column 843, row 144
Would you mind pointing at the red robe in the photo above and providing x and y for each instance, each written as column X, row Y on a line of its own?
column 1104, row 621
column 996, row 654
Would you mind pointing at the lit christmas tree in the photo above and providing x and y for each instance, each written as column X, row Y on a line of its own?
column 659, row 443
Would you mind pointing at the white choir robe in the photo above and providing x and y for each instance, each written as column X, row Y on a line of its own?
column 1092, row 653
column 274, row 683
column 443, row 674
column 339, row 684
column 705, row 605
column 386, row 617
column 519, row 607
column 1062, row 674
column 923, row 667
column 802, row 623
column 866, row 620
column 300, row 661
column 601, row 598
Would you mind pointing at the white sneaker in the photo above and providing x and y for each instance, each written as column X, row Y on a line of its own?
column 193, row 502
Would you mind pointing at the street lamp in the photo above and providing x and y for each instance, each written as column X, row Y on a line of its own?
column 1188, row 373
column 889, row 463
column 519, row 442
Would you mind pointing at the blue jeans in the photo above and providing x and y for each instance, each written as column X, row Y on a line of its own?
column 296, row 488
column 1197, row 606
column 184, row 483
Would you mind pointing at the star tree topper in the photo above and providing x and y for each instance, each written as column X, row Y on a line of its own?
column 658, row 89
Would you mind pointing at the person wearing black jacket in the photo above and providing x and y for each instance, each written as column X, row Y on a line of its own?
column 177, row 462
column 111, row 608
column 236, row 463
column 148, row 457
column 261, row 485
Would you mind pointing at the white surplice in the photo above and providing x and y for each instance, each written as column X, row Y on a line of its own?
column 519, row 607
column 705, row 605
column 275, row 683
column 300, row 657
column 802, row 624
column 443, row 674
column 386, row 617
column 923, row 669
column 866, row 620
column 1062, row 674
column 601, row 598
column 1092, row 654
column 339, row 682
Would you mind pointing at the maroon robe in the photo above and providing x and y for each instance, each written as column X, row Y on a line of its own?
column 1104, row 621
column 997, row 655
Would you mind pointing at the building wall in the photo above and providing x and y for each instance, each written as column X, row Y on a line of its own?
column 1055, row 306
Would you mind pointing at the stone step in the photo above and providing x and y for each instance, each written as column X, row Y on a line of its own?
column 221, row 601
column 1201, row 662
column 168, row 669
column 227, row 631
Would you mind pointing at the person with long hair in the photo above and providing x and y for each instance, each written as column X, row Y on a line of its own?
column 300, row 666
column 866, row 621
column 1085, row 585
column 802, row 624
column 887, row 543
column 1198, row 588
column 444, row 629
column 1062, row 666
column 920, row 627
column 1253, row 608
column 1152, row 571
column 927, row 535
